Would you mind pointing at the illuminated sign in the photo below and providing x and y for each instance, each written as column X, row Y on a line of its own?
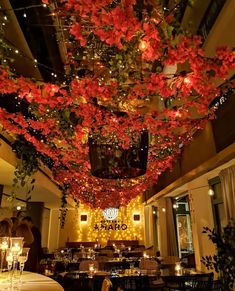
column 110, row 213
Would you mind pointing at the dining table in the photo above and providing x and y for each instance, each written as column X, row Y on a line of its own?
column 28, row 281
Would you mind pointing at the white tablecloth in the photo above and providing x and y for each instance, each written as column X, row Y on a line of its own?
column 31, row 282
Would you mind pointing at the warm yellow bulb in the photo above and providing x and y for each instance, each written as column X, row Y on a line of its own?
column 142, row 45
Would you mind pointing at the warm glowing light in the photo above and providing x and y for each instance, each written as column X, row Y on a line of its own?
column 211, row 192
column 134, row 231
column 143, row 45
column 110, row 213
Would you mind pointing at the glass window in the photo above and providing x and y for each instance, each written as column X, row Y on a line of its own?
column 183, row 226
column 217, row 204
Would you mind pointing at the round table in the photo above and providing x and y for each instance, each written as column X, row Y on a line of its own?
column 30, row 282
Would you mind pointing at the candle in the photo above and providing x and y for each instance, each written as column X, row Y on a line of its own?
column 4, row 245
column 16, row 248
column 178, row 268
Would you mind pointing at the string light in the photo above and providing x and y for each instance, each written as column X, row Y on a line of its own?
column 142, row 45
column 86, row 232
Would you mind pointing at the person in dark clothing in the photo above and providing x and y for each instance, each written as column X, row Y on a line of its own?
column 35, row 253
column 15, row 222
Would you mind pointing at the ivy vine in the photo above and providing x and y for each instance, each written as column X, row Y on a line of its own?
column 27, row 165
column 64, row 203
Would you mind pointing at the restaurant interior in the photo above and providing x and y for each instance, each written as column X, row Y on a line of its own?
column 117, row 145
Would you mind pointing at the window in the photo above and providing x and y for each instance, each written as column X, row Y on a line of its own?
column 217, row 204
column 183, row 226
column 210, row 17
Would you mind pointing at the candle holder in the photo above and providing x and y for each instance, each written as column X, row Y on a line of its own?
column 22, row 258
column 178, row 268
column 16, row 246
column 91, row 270
column 4, row 244
column 9, row 259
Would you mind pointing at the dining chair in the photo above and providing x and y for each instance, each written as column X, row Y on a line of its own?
column 74, row 281
column 106, row 285
column 170, row 259
column 137, row 283
column 203, row 282
column 84, row 265
column 147, row 264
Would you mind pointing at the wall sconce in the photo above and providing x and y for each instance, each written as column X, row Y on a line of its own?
column 83, row 217
column 136, row 217
column 211, row 192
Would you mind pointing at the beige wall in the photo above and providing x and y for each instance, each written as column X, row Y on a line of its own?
column 200, row 211
column 76, row 230
column 54, row 228
column 201, row 216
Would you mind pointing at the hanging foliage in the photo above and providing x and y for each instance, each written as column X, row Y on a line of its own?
column 125, row 56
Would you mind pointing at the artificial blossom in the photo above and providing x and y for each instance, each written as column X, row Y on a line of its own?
column 127, row 57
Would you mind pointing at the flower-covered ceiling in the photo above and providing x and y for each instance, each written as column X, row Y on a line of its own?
column 125, row 56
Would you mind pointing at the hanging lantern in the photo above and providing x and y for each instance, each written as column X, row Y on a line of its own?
column 110, row 161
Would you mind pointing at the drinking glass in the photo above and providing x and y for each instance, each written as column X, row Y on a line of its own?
column 22, row 258
column 16, row 246
column 9, row 259
column 4, row 244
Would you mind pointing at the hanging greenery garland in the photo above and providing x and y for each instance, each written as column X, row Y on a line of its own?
column 119, row 54
column 27, row 165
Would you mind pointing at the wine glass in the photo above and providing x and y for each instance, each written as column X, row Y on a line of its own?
column 4, row 244
column 9, row 259
column 22, row 258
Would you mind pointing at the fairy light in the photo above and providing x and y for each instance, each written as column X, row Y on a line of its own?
column 86, row 232
column 142, row 45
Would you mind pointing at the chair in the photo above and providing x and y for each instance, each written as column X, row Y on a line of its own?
column 106, row 285
column 137, row 283
column 202, row 282
column 84, row 265
column 171, row 260
column 74, row 281
column 147, row 264
column 102, row 260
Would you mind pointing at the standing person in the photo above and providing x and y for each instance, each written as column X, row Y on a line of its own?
column 5, row 228
column 15, row 222
column 23, row 230
column 36, row 246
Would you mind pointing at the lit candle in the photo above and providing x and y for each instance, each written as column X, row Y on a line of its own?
column 16, row 248
column 178, row 268
column 4, row 245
